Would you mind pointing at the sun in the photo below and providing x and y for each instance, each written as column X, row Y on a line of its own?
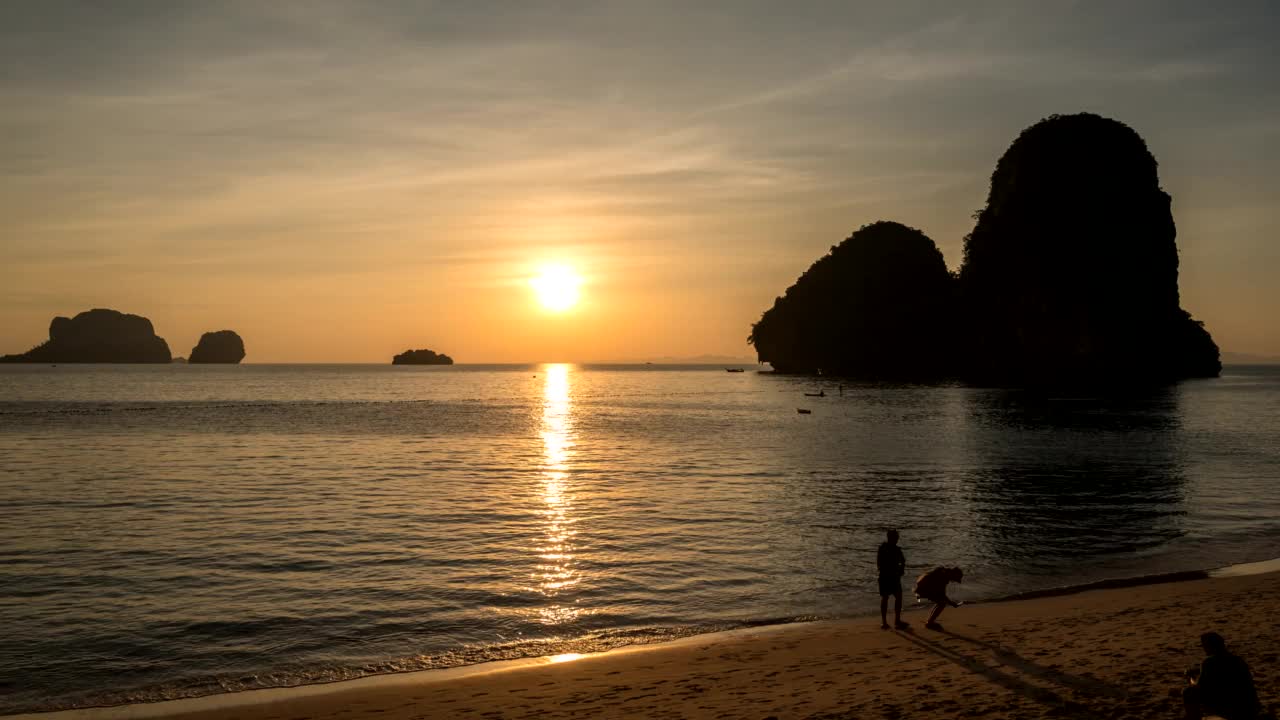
column 556, row 287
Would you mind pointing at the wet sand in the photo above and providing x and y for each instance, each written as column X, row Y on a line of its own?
column 1117, row 653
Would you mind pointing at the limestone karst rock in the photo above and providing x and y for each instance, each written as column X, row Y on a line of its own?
column 421, row 357
column 223, row 346
column 877, row 306
column 1071, row 273
column 1070, row 277
column 98, row 336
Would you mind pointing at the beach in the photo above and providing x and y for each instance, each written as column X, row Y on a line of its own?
column 1114, row 653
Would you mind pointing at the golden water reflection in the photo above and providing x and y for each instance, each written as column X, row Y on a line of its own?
column 555, row 574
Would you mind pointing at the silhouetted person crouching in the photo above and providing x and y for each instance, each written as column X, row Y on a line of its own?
column 932, row 586
column 1221, row 685
column 892, row 565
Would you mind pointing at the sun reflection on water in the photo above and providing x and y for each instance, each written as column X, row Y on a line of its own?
column 555, row 574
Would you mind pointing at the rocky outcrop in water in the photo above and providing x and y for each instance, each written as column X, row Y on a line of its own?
column 1070, row 277
column 421, row 357
column 877, row 306
column 1071, row 274
column 98, row 336
column 223, row 346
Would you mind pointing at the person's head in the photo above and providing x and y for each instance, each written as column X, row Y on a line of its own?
column 892, row 537
column 956, row 575
column 1213, row 643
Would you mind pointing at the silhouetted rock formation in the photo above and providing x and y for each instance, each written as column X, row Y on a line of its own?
column 877, row 306
column 1071, row 274
column 98, row 336
column 421, row 357
column 1070, row 277
column 223, row 346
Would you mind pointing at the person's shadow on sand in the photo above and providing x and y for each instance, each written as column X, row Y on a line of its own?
column 1015, row 684
column 1078, row 683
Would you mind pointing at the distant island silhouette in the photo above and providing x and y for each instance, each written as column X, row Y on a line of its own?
column 421, row 357
column 705, row 359
column 1241, row 358
column 98, row 336
column 223, row 346
column 1069, row 277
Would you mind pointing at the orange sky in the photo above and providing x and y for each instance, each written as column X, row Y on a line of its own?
column 343, row 181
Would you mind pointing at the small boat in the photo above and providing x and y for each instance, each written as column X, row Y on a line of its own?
column 803, row 411
column 734, row 370
column 820, row 393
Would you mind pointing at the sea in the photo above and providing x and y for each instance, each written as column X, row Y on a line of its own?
column 180, row 530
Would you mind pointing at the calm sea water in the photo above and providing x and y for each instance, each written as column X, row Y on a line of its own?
column 178, row 530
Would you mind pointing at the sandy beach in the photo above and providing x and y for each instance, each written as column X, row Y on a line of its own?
column 1116, row 653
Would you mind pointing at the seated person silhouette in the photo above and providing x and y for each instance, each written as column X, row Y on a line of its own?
column 932, row 586
column 1221, row 685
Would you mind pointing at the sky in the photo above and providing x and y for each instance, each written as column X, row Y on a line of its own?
column 341, row 181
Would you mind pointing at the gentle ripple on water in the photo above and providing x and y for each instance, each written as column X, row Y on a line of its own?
column 179, row 530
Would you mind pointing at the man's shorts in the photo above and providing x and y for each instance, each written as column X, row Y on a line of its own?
column 890, row 586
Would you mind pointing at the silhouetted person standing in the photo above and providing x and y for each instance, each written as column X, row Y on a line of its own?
column 932, row 586
column 1222, row 685
column 892, row 565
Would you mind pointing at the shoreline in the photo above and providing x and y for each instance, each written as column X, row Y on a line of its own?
column 211, row 705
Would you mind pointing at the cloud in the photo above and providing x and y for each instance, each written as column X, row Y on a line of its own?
column 389, row 135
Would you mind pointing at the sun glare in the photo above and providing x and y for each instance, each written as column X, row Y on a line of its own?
column 556, row 287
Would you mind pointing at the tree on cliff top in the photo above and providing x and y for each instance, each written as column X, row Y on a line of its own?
column 876, row 306
column 1071, row 273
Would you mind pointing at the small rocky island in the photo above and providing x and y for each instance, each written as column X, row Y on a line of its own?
column 421, row 357
column 98, row 336
column 223, row 346
column 1069, row 278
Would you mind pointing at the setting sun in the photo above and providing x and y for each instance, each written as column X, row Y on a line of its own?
column 556, row 287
